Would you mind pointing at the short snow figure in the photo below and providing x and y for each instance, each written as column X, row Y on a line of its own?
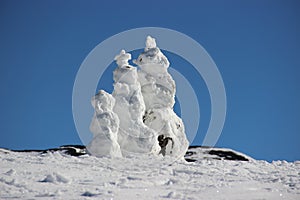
column 104, row 126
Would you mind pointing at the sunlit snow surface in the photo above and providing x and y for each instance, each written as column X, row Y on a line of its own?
column 33, row 175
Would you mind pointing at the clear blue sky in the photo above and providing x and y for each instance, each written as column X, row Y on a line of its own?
column 255, row 45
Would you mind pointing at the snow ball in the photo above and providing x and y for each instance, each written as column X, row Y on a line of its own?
column 122, row 58
column 49, row 179
column 150, row 43
column 52, row 178
column 103, row 101
column 61, row 179
column 152, row 59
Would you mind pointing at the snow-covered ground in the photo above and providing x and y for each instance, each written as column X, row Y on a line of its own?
column 56, row 175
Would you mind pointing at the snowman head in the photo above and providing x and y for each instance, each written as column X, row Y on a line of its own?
column 103, row 101
column 152, row 56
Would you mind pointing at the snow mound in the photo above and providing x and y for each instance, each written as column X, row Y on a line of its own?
column 138, row 117
column 55, row 178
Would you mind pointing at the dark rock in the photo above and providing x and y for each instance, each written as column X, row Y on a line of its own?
column 72, row 150
column 194, row 153
column 163, row 142
column 190, row 160
column 228, row 155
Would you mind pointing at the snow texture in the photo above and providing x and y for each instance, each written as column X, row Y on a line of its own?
column 142, row 119
column 104, row 125
column 133, row 136
column 55, row 175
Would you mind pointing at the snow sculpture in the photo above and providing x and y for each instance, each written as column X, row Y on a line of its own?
column 158, row 90
column 104, row 125
column 134, row 136
column 139, row 116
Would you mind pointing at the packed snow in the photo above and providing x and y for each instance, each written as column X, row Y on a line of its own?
column 104, row 125
column 138, row 117
column 56, row 175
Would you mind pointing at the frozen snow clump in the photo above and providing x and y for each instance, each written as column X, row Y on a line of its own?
column 138, row 117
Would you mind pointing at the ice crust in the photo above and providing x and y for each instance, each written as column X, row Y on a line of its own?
column 138, row 117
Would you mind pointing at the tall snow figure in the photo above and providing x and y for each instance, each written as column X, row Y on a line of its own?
column 158, row 90
column 133, row 136
column 104, row 126
column 138, row 117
